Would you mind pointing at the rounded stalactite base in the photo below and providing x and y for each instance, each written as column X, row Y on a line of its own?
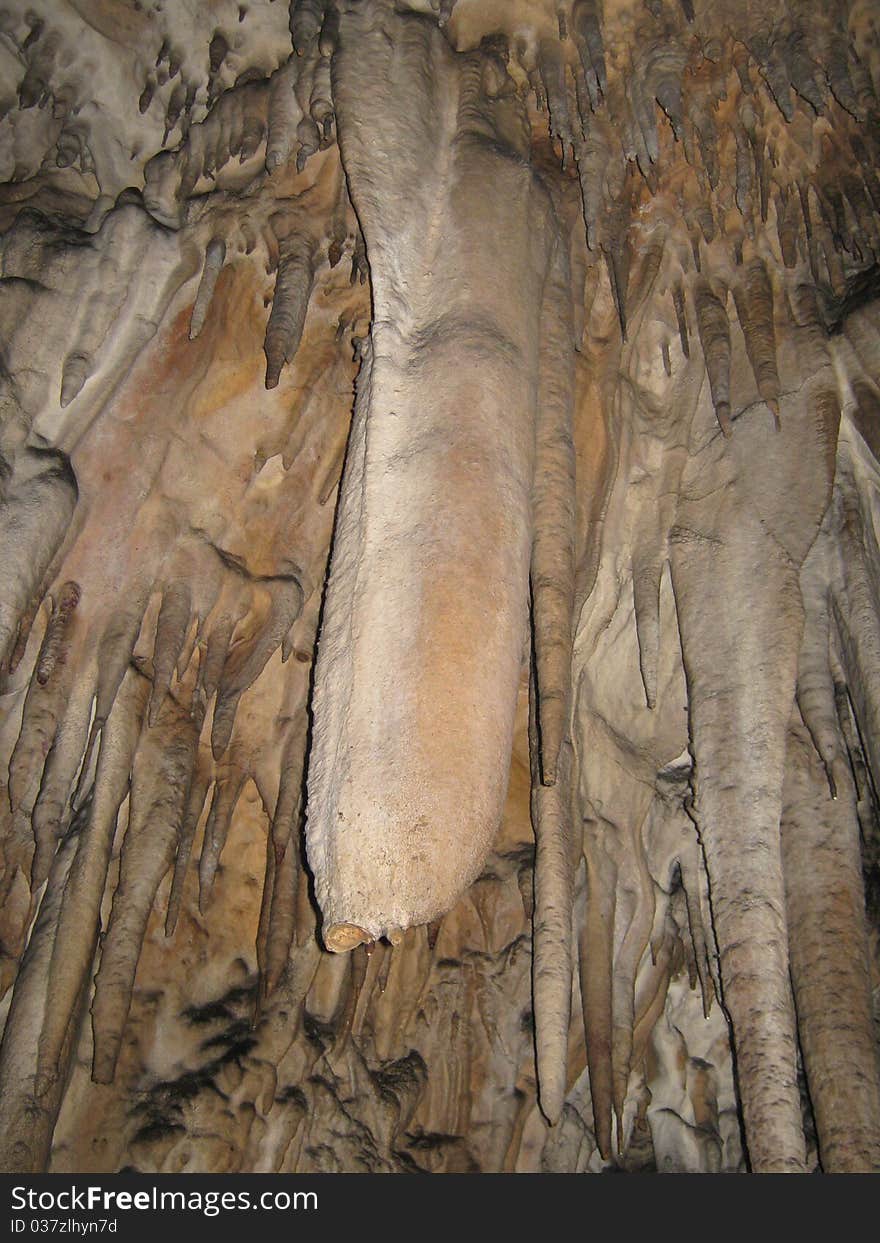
column 340, row 938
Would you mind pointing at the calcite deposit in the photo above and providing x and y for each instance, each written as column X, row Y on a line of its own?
column 440, row 610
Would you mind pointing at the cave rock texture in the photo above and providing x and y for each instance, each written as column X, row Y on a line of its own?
column 440, row 596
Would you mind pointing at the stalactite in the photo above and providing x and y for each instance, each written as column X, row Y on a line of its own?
column 159, row 785
column 681, row 319
column 647, row 573
column 638, row 900
column 815, row 685
column 754, row 306
column 552, row 69
column 77, row 926
column 247, row 660
column 552, row 567
column 215, row 256
column 227, row 791
column 595, row 960
column 171, row 628
column 699, row 919
column 58, row 776
column 52, row 652
column 284, row 115
column 552, row 955
column 293, row 286
column 282, row 913
column 714, row 331
column 353, row 872
column 306, row 20
column 761, row 632
column 829, row 959
column 586, row 30
column 36, row 511
column 41, row 713
column 856, row 618
column 27, row 1139
column 199, row 784
column 96, row 319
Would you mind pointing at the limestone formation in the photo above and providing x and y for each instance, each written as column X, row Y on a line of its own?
column 440, row 620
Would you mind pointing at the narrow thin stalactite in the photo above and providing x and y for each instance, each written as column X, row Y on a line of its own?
column 227, row 791
column 693, row 878
column 628, row 956
column 647, row 576
column 595, row 961
column 552, row 948
column 199, row 785
column 553, row 504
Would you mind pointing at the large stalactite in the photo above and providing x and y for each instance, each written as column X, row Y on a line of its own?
column 439, row 476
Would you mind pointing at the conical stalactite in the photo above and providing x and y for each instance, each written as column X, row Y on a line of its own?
column 754, row 306
column 171, row 629
column 714, row 331
column 293, row 285
column 52, row 651
column 215, row 254
column 284, row 115
column 542, row 356
column 159, row 787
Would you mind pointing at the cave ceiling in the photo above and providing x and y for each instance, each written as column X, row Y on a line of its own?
column 440, row 595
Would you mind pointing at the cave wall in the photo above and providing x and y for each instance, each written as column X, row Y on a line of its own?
column 439, row 630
